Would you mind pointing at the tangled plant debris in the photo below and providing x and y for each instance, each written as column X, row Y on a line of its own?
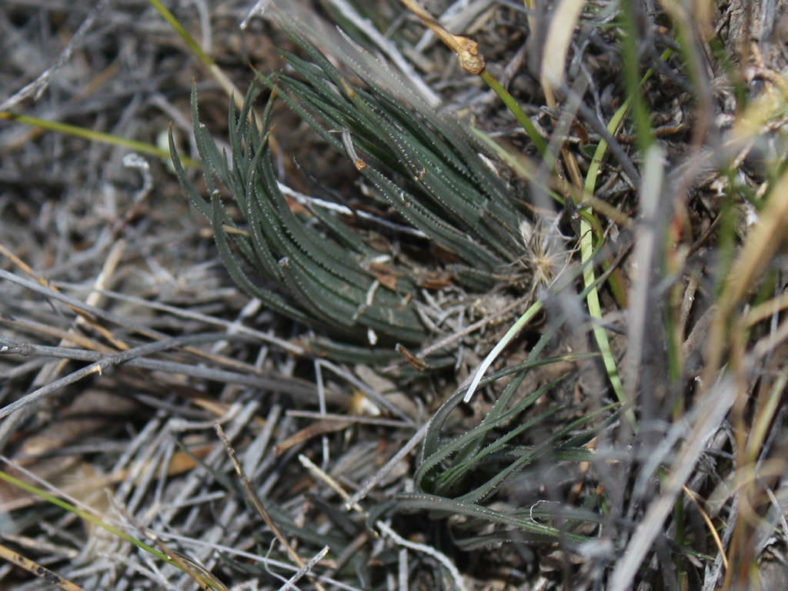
column 519, row 324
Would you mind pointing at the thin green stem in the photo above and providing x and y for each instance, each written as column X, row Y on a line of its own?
column 94, row 136
column 42, row 494
column 587, row 253
column 227, row 85
column 515, row 109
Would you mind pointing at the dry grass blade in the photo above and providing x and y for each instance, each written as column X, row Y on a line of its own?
column 104, row 363
column 36, row 569
column 261, row 510
column 766, row 238
column 558, row 38
column 707, row 418
column 37, row 87
column 641, row 298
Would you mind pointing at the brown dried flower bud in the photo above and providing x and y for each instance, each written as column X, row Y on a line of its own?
column 468, row 52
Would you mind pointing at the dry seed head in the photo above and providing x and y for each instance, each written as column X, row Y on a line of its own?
column 543, row 253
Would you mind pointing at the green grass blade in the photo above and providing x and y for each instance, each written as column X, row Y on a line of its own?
column 95, row 136
column 82, row 514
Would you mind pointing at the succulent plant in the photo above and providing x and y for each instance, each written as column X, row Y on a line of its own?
column 312, row 266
